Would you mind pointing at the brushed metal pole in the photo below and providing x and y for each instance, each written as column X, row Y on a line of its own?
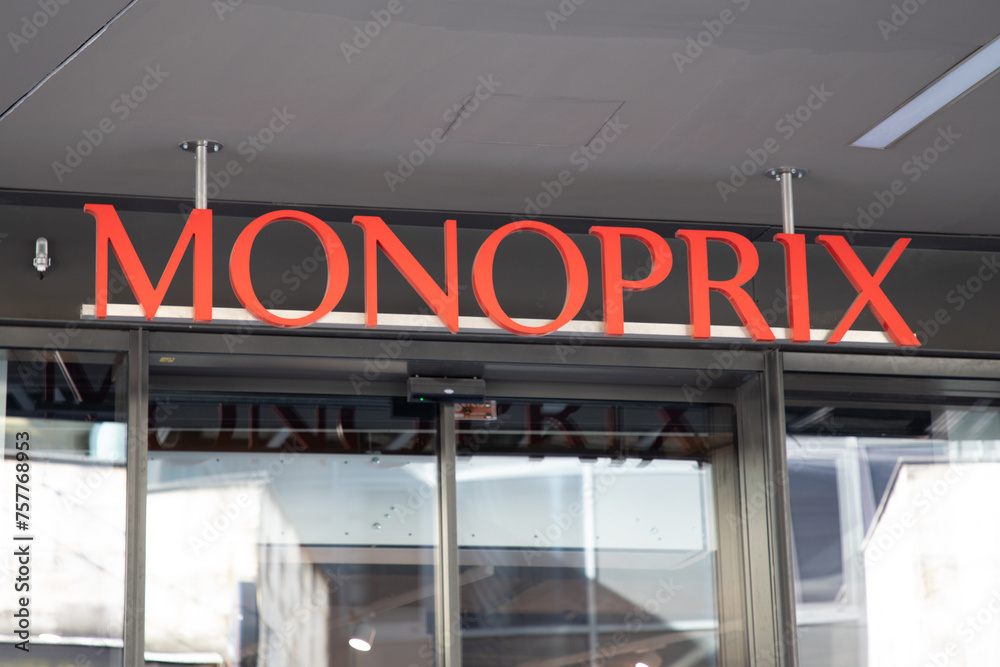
column 201, row 148
column 448, row 623
column 784, row 176
column 134, row 638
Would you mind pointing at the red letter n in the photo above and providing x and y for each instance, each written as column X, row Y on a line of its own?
column 378, row 235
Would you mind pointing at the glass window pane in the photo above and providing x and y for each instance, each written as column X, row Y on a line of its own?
column 62, row 507
column 586, row 534
column 290, row 531
column 891, row 498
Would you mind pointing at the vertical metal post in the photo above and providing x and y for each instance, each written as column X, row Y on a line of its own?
column 781, row 510
column 787, row 205
column 135, row 500
column 201, row 176
column 784, row 176
column 766, row 518
column 201, row 148
column 590, row 562
column 448, row 602
column 732, row 571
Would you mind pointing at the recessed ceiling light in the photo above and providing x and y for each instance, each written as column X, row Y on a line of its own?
column 948, row 88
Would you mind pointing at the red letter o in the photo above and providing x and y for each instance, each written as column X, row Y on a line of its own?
column 336, row 264
column 576, row 277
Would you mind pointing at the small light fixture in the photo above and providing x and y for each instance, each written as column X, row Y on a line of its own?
column 362, row 637
column 42, row 259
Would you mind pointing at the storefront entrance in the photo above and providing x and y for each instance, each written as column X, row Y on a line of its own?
column 286, row 502
column 549, row 523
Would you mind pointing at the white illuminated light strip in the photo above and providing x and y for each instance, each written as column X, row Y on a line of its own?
column 430, row 323
column 948, row 88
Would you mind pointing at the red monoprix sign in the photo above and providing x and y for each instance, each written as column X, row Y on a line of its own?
column 444, row 301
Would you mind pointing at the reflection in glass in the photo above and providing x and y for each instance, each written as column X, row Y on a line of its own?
column 586, row 535
column 290, row 532
column 64, row 470
column 893, row 512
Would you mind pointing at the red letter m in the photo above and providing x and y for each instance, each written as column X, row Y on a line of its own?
column 111, row 232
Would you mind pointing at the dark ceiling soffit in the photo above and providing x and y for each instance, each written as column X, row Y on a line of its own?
column 476, row 220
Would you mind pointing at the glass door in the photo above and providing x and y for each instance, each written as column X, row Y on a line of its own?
column 289, row 530
column 288, row 525
column 586, row 533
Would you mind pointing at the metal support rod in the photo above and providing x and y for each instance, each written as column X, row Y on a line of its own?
column 784, row 176
column 135, row 502
column 448, row 603
column 201, row 176
column 787, row 205
column 201, row 148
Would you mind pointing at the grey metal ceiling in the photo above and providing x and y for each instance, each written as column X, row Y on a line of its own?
column 337, row 122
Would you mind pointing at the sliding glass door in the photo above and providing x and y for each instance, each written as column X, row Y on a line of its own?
column 587, row 533
column 292, row 528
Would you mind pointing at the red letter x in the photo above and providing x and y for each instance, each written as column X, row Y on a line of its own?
column 869, row 291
